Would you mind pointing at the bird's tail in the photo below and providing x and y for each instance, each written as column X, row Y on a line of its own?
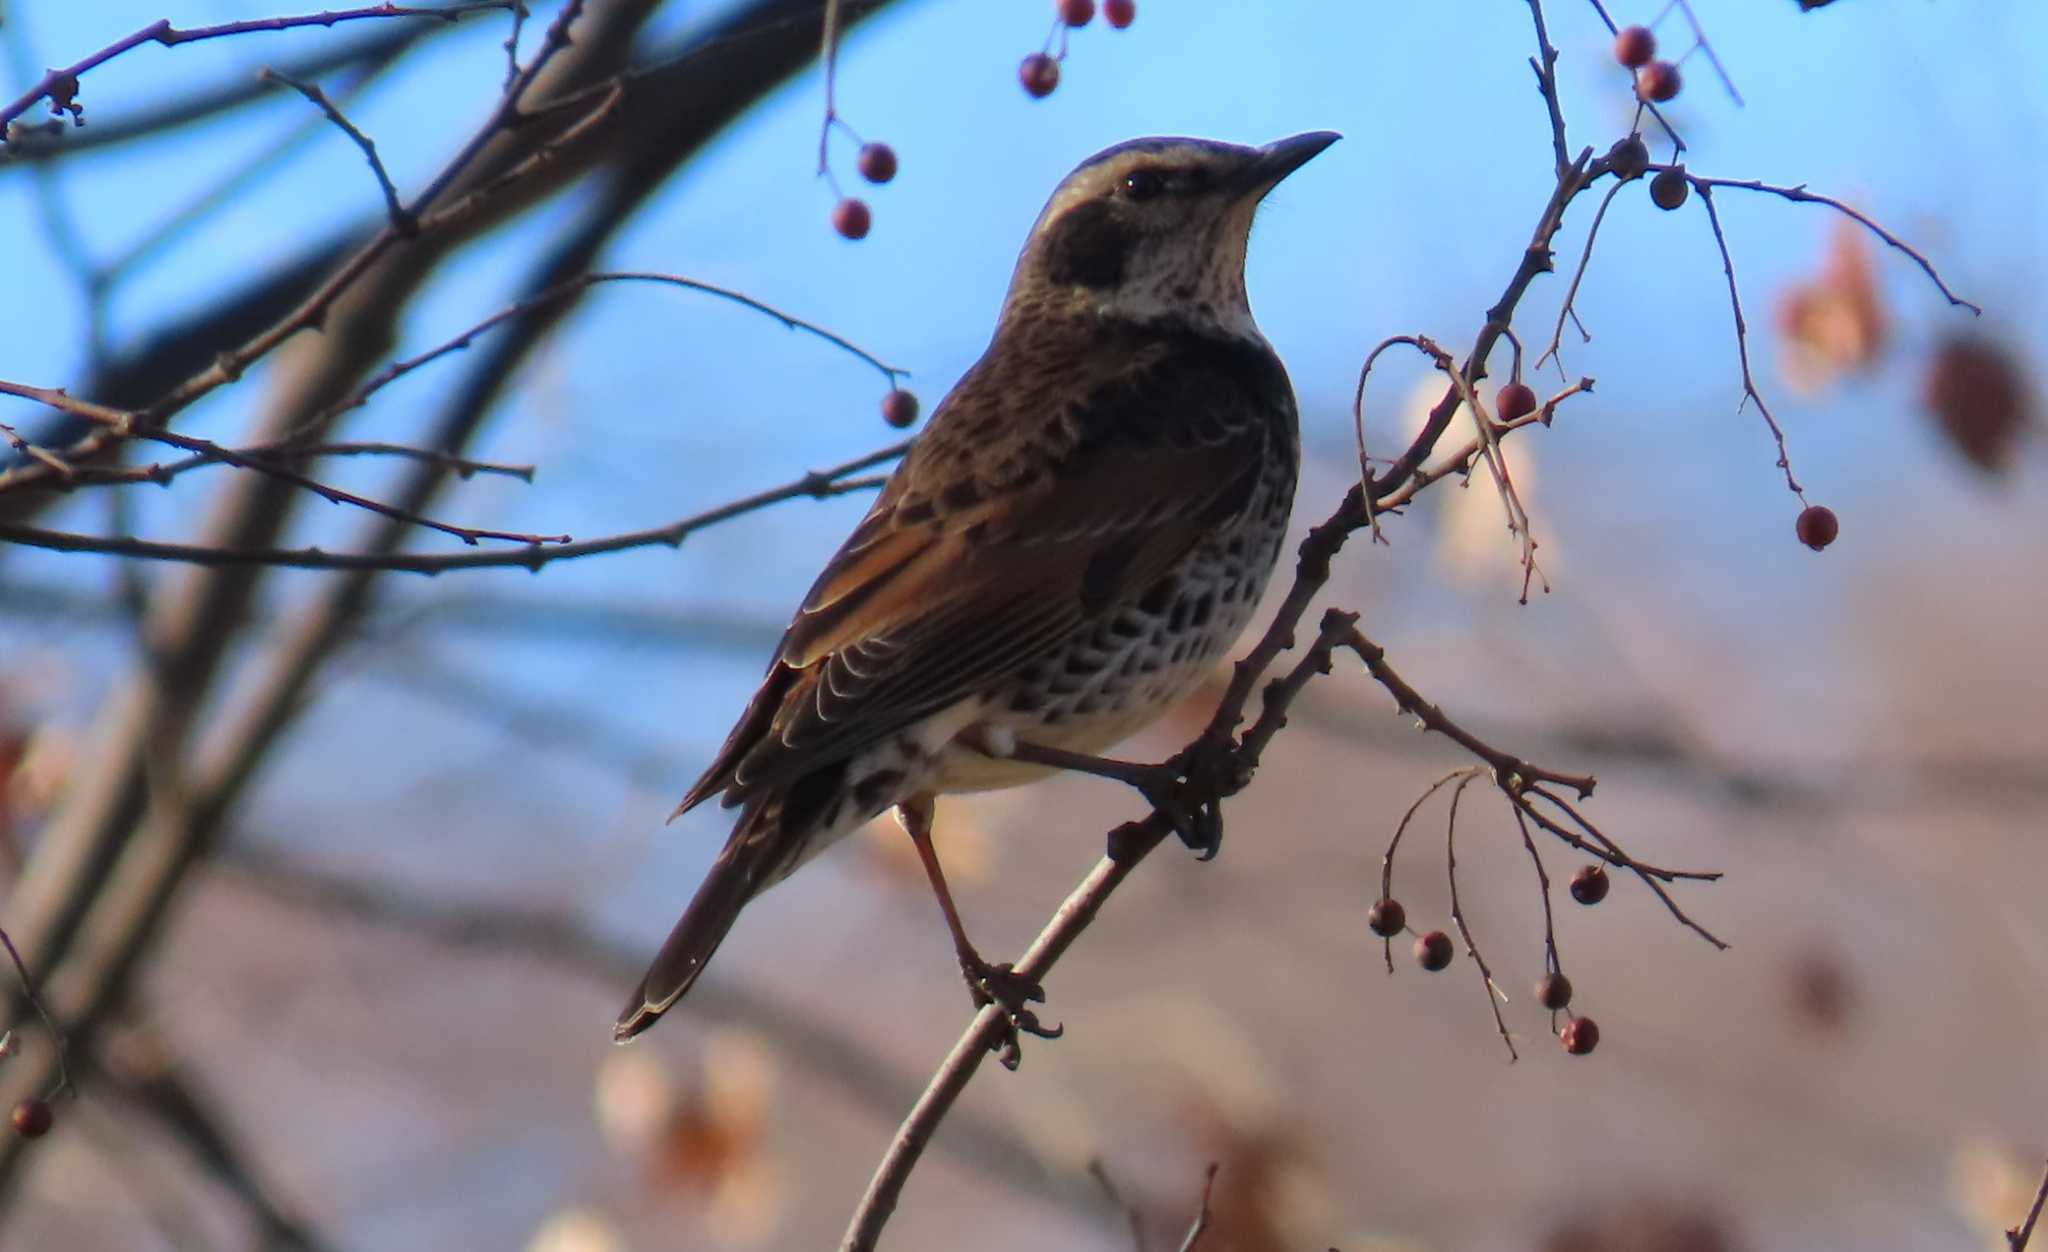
column 746, row 867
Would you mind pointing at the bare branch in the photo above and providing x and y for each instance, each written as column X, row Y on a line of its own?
column 540, row 550
column 2017, row 1238
column 1202, row 1214
column 1494, row 995
column 1800, row 195
column 127, row 424
column 401, row 220
column 1749, row 391
column 58, row 1040
column 60, row 87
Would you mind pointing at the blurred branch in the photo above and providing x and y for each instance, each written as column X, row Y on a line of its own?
column 60, row 86
column 114, row 856
column 551, row 936
column 139, row 1069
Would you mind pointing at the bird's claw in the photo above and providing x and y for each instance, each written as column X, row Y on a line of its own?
column 1002, row 986
column 1189, row 791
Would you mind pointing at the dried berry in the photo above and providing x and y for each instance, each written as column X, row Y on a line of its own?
column 1669, row 188
column 1657, row 81
column 1554, row 991
column 1629, row 157
column 1039, row 74
column 1579, row 1036
column 1589, row 885
column 850, row 217
column 32, row 1118
column 1817, row 526
column 1515, row 400
column 1119, row 13
column 1387, row 918
column 899, row 408
column 1077, row 12
column 876, row 162
column 1433, row 951
column 1634, row 46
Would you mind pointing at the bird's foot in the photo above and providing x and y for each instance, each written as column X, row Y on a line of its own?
column 1002, row 986
column 1189, row 788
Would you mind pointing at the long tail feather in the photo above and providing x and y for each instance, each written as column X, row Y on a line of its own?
column 743, row 870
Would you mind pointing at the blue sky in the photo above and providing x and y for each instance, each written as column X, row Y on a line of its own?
column 654, row 404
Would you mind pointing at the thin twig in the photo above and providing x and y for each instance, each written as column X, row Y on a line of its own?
column 1800, row 195
column 819, row 485
column 1571, row 293
column 1494, row 995
column 1749, row 391
column 58, row 1041
column 561, row 291
column 1432, row 717
column 131, row 424
column 401, row 220
column 2016, row 1238
column 60, row 86
column 1394, row 844
column 1202, row 1214
column 1545, row 65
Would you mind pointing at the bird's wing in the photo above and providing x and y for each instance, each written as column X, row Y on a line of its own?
column 956, row 580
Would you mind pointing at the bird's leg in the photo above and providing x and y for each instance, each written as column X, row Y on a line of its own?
column 1182, row 788
column 1000, row 985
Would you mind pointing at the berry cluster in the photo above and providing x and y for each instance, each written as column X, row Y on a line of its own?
column 876, row 163
column 1040, row 72
column 1656, row 81
column 1434, row 950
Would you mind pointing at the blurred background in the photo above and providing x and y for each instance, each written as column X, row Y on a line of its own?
column 376, row 1012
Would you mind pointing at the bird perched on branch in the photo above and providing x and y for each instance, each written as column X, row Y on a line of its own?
column 1085, row 525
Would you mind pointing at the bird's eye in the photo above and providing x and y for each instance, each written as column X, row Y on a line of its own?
column 1143, row 184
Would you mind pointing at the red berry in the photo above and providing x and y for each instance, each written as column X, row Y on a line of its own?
column 1039, row 74
column 1387, row 918
column 1668, row 189
column 1589, row 885
column 1657, row 81
column 1515, row 400
column 1817, row 526
column 899, row 408
column 876, row 162
column 32, row 1118
column 1077, row 12
column 1580, row 1036
column 1554, row 991
column 1433, row 951
column 1634, row 46
column 850, row 217
column 1119, row 13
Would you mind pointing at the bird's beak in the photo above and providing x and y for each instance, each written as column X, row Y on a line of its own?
column 1284, row 156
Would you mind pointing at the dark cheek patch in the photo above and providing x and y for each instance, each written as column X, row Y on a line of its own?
column 1089, row 245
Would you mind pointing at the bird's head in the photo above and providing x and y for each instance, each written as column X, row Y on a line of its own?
column 1155, row 229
